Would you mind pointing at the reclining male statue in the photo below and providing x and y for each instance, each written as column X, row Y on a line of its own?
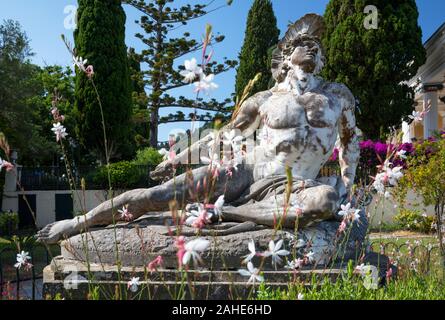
column 302, row 116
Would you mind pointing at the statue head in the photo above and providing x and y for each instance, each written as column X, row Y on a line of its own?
column 300, row 48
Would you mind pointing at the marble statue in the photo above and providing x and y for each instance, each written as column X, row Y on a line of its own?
column 301, row 119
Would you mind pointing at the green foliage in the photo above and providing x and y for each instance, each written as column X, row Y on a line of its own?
column 9, row 223
column 100, row 38
column 375, row 63
column 413, row 220
column 163, row 48
column 123, row 175
column 19, row 85
column 255, row 57
column 425, row 174
column 148, row 157
column 415, row 287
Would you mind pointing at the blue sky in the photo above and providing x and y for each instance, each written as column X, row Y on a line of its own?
column 43, row 20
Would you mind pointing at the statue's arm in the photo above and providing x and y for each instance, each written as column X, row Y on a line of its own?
column 248, row 118
column 247, row 121
column 349, row 152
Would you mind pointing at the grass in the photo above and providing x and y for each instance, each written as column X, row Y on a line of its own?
column 415, row 280
column 415, row 287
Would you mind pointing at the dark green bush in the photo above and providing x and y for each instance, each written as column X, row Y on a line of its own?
column 9, row 223
column 124, row 175
column 148, row 157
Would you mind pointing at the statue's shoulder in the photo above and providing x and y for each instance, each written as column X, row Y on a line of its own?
column 261, row 96
column 340, row 90
column 257, row 100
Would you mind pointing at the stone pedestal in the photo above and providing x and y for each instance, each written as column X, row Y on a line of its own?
column 136, row 244
column 91, row 259
column 72, row 279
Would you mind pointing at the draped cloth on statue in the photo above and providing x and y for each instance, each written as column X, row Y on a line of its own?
column 274, row 186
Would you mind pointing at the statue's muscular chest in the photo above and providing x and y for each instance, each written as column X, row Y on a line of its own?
column 287, row 111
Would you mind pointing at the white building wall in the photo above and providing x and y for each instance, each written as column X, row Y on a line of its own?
column 46, row 203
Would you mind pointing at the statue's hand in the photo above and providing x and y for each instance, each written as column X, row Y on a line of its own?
column 163, row 170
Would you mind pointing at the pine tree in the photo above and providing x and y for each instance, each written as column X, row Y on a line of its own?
column 255, row 57
column 159, row 20
column 100, row 38
column 375, row 63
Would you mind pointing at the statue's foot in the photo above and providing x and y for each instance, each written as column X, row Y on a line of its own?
column 56, row 231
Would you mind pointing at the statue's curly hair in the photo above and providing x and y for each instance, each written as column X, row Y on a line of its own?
column 309, row 27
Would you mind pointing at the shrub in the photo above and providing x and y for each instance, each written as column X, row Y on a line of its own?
column 413, row 220
column 123, row 175
column 9, row 223
column 148, row 157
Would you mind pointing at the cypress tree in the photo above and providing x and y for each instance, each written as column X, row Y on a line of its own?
column 261, row 35
column 375, row 63
column 100, row 38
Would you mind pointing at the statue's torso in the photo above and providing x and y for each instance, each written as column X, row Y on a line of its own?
column 298, row 131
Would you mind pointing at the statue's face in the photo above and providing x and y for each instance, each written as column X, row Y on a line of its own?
column 307, row 55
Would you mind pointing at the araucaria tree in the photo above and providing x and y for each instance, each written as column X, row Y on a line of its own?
column 159, row 22
column 261, row 35
column 375, row 58
column 100, row 38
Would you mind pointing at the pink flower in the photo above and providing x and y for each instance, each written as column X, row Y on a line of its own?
column 342, row 227
column 389, row 273
column 180, row 245
column 5, row 164
column 201, row 221
column 56, row 115
column 125, row 213
column 89, row 71
column 152, row 266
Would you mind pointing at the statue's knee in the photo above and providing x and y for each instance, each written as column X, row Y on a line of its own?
column 328, row 198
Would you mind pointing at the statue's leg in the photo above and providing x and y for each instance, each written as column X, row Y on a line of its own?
column 142, row 201
column 319, row 203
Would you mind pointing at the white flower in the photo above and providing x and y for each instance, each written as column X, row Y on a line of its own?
column 194, row 215
column 252, row 273
column 402, row 154
column 378, row 184
column 193, row 248
column 60, row 131
column 206, row 83
column 295, row 264
column 133, row 284
column 311, row 257
column 348, row 212
column 344, row 209
column 275, row 252
column 370, row 276
column 192, row 71
column 300, row 296
column 394, row 175
column 125, row 213
column 23, row 260
column 219, row 205
column 300, row 243
column 252, row 253
column 5, row 164
column 416, row 116
column 80, row 63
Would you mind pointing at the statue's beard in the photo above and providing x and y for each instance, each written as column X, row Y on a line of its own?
column 308, row 66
